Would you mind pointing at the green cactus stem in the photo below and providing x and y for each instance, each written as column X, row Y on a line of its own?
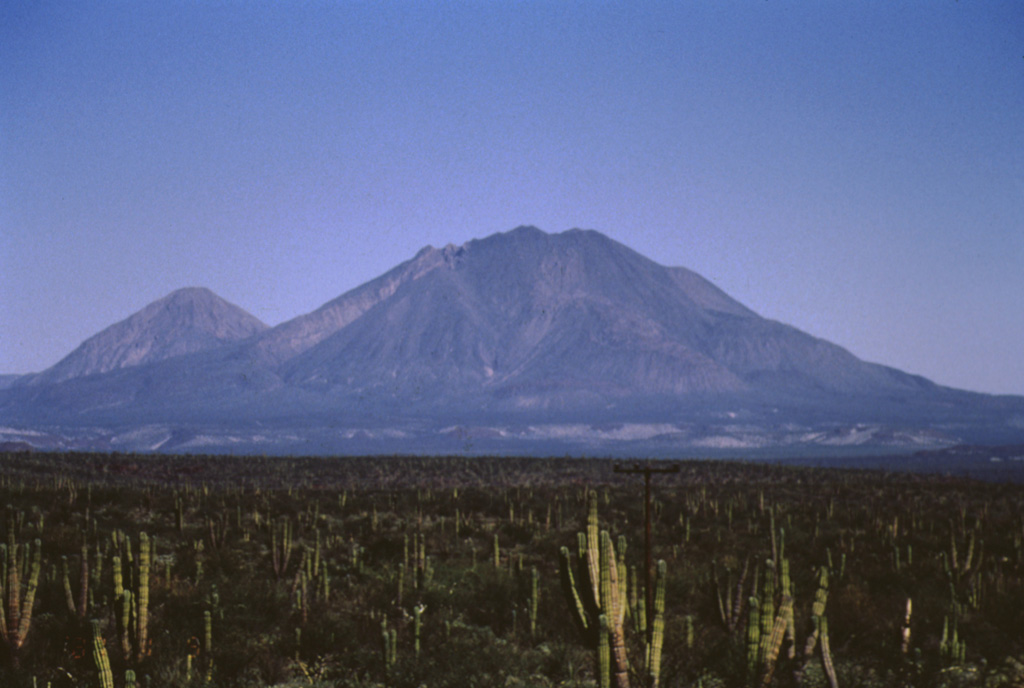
column 207, row 633
column 826, row 655
column 69, row 598
column 774, row 644
column 30, row 594
column 658, row 630
column 603, row 653
column 83, row 588
column 100, row 658
column 125, row 601
column 817, row 611
column 389, row 645
column 597, row 592
column 142, row 619
column 417, row 616
column 576, row 607
column 753, row 638
column 534, row 601
column 634, row 601
column 614, row 608
column 16, row 619
column 905, row 630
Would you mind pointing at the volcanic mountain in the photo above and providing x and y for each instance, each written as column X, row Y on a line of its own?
column 522, row 341
column 184, row 322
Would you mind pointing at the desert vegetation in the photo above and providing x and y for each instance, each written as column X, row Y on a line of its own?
column 138, row 570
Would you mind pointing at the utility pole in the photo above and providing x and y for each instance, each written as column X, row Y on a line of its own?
column 647, row 470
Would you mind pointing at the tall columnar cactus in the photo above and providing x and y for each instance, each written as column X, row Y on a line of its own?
column 826, row 654
column 125, row 623
column 905, row 630
column 597, row 595
column 324, row 583
column 100, row 658
column 817, row 612
column 417, row 616
column 653, row 658
column 16, row 618
column 604, row 657
column 142, row 618
column 69, row 598
column 534, row 600
column 208, row 643
column 783, row 619
column 83, row 590
column 389, row 645
column 753, row 639
column 281, row 546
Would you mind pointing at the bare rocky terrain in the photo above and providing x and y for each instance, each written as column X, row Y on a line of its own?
column 521, row 342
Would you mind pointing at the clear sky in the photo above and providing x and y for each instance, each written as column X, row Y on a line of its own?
column 855, row 169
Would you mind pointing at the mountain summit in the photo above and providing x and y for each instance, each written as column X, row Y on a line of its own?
column 560, row 320
column 184, row 322
column 521, row 341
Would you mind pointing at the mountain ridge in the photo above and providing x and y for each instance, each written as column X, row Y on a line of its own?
column 512, row 338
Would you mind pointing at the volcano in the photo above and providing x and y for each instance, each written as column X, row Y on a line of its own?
column 520, row 342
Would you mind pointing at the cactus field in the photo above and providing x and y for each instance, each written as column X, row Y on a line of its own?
column 122, row 570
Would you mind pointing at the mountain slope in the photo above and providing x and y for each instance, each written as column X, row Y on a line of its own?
column 184, row 322
column 575, row 316
column 524, row 341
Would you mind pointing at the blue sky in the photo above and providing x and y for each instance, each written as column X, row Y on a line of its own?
column 853, row 169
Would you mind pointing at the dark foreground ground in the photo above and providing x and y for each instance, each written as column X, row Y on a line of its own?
column 293, row 572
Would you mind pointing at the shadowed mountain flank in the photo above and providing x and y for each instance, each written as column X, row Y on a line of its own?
column 521, row 341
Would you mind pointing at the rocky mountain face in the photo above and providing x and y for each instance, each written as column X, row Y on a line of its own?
column 521, row 341
column 551, row 320
column 186, row 321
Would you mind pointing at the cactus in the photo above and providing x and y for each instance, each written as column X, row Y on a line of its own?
column 125, row 622
column 905, row 630
column 753, row 638
column 826, row 655
column 774, row 644
column 534, row 601
column 83, row 591
column 603, row 653
column 69, row 598
column 598, row 597
column 16, row 619
column 389, row 650
column 658, row 630
column 142, row 619
column 417, row 616
column 99, row 656
column 817, row 611
column 281, row 547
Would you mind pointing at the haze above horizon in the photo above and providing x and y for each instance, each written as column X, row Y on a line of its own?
column 854, row 170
